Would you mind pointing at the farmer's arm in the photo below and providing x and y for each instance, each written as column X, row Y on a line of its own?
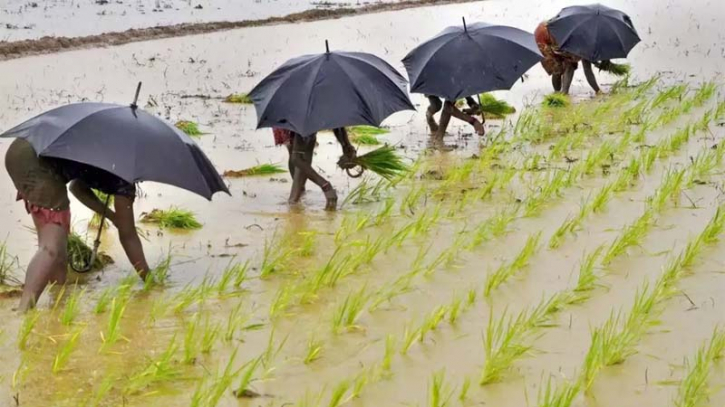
column 85, row 195
column 126, row 225
column 458, row 114
column 347, row 148
column 590, row 75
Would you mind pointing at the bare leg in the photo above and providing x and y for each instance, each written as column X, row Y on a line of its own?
column 435, row 105
column 567, row 78
column 591, row 79
column 127, row 234
column 289, row 160
column 443, row 122
column 49, row 264
column 302, row 152
column 556, row 82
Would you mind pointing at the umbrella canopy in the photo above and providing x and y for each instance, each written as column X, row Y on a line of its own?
column 594, row 32
column 467, row 60
column 326, row 91
column 127, row 142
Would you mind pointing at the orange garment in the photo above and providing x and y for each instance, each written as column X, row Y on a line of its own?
column 555, row 61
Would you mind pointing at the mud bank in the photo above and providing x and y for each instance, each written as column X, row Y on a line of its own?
column 51, row 44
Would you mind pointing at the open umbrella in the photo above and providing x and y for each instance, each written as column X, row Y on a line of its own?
column 471, row 59
column 124, row 141
column 330, row 90
column 594, row 32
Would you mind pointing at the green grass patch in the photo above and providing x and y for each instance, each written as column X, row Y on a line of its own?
column 615, row 69
column 261, row 169
column 173, row 217
column 239, row 98
column 366, row 135
column 189, row 127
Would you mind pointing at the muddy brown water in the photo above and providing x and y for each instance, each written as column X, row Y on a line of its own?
column 681, row 41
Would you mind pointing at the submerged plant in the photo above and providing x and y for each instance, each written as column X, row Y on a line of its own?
column 261, row 169
column 173, row 217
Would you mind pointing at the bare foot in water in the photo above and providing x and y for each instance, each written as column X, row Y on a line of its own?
column 431, row 123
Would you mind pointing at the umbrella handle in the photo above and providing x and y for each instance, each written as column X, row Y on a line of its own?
column 135, row 99
column 87, row 266
column 357, row 174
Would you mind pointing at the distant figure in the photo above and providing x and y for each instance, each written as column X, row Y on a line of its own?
column 41, row 185
column 561, row 65
column 301, row 151
column 438, row 130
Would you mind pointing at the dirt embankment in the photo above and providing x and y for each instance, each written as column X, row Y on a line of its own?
column 48, row 44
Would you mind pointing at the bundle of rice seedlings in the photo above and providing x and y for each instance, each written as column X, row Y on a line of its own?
column 366, row 135
column 188, row 127
column 494, row 108
column 262, row 169
column 382, row 161
column 239, row 98
column 614, row 69
column 172, row 218
column 79, row 252
column 556, row 100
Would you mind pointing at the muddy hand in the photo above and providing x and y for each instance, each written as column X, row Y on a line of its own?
column 480, row 130
column 331, row 197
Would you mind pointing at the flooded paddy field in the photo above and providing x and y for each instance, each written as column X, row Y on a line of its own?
column 569, row 258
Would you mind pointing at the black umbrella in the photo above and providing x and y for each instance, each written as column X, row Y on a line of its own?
column 123, row 140
column 468, row 60
column 594, row 32
column 326, row 91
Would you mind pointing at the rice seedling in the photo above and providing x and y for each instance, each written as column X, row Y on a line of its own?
column 463, row 394
column 26, row 328
column 259, row 169
column 314, row 350
column 454, row 310
column 390, row 345
column 271, row 351
column 431, row 322
column 671, row 93
column 560, row 396
column 702, row 165
column 568, row 226
column 281, row 302
column 704, row 93
column 61, row 358
column 247, row 376
column 506, row 271
column 556, row 100
column 346, row 314
column 587, row 279
column 439, row 393
column 79, row 252
column 101, row 392
column 159, row 370
column 503, row 344
column 191, row 340
column 383, row 161
column 209, row 395
column 158, row 276
column 337, row 398
column 275, row 256
column 70, row 312
column 209, row 336
column 409, row 337
column 189, row 128
column 8, row 264
column 694, row 390
column 235, row 319
column 632, row 235
column 113, row 329
column 669, row 189
column 365, row 135
column 103, row 300
column 239, row 98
